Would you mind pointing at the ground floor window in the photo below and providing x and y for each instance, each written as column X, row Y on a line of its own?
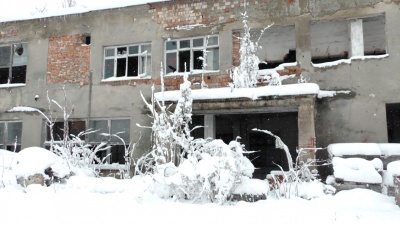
column 114, row 132
column 10, row 135
column 393, row 122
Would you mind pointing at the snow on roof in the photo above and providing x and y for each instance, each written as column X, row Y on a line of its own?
column 17, row 10
column 251, row 93
column 357, row 170
column 368, row 149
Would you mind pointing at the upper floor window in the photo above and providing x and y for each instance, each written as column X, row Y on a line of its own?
column 13, row 61
column 127, row 61
column 191, row 54
column 10, row 136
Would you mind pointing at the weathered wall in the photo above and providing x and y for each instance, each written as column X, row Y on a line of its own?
column 359, row 117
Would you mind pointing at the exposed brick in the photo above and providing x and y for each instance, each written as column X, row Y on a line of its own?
column 68, row 61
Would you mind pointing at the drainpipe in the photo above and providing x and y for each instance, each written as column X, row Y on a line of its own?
column 90, row 95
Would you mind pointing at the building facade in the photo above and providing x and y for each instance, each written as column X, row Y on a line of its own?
column 105, row 59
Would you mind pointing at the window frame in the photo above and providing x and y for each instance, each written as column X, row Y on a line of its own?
column 4, row 139
column 144, row 60
column 110, row 142
column 205, row 47
column 12, row 63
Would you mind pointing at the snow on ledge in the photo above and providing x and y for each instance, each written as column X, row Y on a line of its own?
column 22, row 109
column 367, row 149
column 111, row 79
column 251, row 93
column 347, row 61
column 327, row 94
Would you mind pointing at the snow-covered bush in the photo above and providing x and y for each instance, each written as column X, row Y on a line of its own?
column 191, row 169
column 301, row 180
column 246, row 74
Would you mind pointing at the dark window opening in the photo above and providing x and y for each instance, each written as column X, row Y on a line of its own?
column 197, row 121
column 4, row 74
column 290, row 57
column 184, row 61
column 86, row 39
column 74, row 128
column 121, row 67
column 198, row 60
column 324, row 59
column 118, row 154
column 229, row 127
column 133, row 65
column 18, row 74
column 393, row 122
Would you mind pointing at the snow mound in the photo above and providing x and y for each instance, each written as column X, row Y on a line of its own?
column 6, row 158
column 368, row 149
column 357, row 170
column 33, row 160
column 394, row 168
column 252, row 187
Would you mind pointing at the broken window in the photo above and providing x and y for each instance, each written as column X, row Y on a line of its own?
column 127, row 61
column 329, row 41
column 374, row 35
column 334, row 40
column 10, row 136
column 13, row 63
column 185, row 55
column 74, row 128
column 277, row 46
column 106, row 129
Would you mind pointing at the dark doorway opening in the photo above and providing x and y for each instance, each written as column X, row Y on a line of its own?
column 393, row 122
column 231, row 126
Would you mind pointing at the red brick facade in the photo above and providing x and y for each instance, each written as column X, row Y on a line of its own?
column 68, row 60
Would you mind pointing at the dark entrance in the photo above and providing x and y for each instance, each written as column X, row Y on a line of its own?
column 231, row 126
column 393, row 122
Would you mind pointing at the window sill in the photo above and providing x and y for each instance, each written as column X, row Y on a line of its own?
column 194, row 72
column 347, row 61
column 111, row 79
column 113, row 166
column 12, row 85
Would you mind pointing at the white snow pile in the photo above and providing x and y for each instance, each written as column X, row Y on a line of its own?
column 252, row 187
column 394, row 168
column 6, row 158
column 367, row 149
column 33, row 160
column 357, row 170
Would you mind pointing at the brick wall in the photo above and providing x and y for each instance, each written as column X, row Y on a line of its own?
column 68, row 60
column 180, row 13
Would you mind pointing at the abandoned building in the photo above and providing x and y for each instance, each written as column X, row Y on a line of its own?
column 105, row 58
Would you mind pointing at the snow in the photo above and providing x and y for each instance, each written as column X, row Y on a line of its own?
column 251, row 93
column 33, row 160
column 35, row 9
column 348, row 61
column 11, row 85
column 325, row 94
column 394, row 168
column 252, row 186
column 357, row 170
column 370, row 149
column 22, row 109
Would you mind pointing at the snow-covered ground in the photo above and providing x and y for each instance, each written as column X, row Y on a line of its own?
column 108, row 201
